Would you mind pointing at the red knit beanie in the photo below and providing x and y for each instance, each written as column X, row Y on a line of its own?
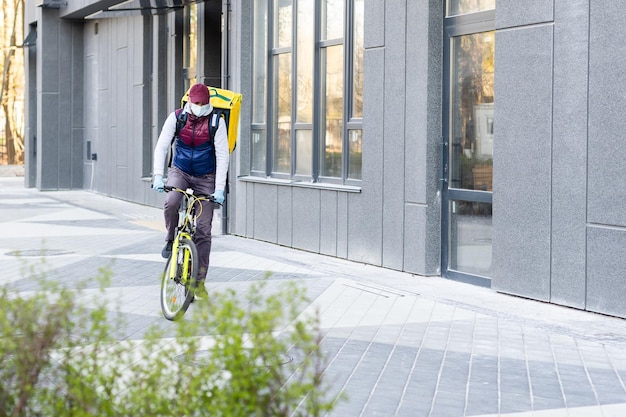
column 199, row 93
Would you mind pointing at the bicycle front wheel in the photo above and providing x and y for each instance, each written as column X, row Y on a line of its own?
column 177, row 287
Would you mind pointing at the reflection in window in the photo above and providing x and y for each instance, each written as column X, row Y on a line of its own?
column 470, row 237
column 333, row 120
column 282, row 108
column 357, row 64
column 258, row 146
column 332, row 26
column 304, row 152
column 355, row 156
column 472, row 111
column 306, row 43
column 258, row 150
column 259, row 61
column 458, row 7
column 283, row 26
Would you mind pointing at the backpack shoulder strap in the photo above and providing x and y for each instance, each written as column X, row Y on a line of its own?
column 181, row 119
column 214, row 123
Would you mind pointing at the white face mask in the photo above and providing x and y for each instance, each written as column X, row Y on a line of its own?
column 200, row 110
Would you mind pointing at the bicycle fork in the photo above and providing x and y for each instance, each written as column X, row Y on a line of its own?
column 180, row 259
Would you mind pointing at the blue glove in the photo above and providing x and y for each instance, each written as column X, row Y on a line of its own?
column 218, row 196
column 158, row 183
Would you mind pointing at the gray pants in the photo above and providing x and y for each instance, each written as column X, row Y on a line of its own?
column 201, row 185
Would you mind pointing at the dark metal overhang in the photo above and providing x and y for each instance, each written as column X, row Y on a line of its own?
column 102, row 9
column 140, row 8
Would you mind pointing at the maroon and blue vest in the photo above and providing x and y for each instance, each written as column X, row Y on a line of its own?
column 195, row 148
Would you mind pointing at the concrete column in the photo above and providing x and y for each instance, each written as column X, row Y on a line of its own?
column 59, row 103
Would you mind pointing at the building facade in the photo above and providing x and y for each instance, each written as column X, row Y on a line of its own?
column 451, row 138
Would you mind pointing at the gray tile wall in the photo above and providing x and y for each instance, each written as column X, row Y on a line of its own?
column 394, row 135
column 58, row 124
column 515, row 13
column 606, row 217
column 569, row 157
column 266, row 209
column 559, row 228
column 606, row 265
column 118, row 107
column 522, row 161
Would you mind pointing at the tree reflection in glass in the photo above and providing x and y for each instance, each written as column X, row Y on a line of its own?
column 472, row 106
column 457, row 7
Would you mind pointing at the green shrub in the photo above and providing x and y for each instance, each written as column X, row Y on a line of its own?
column 251, row 354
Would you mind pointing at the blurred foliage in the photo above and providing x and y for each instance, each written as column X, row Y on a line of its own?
column 252, row 354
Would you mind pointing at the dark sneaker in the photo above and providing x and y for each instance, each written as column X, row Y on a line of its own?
column 167, row 250
column 200, row 293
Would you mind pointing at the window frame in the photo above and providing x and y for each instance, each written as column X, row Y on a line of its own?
column 268, row 129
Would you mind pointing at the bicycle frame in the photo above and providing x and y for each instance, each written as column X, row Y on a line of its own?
column 186, row 229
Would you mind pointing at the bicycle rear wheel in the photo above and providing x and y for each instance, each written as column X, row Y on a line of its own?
column 177, row 291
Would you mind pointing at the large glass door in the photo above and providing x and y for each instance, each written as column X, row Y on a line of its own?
column 467, row 180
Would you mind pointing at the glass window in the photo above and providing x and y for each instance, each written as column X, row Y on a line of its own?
column 258, row 150
column 332, row 125
column 357, row 63
column 282, row 108
column 458, row 7
column 305, row 55
column 355, row 156
column 333, row 22
column 472, row 111
column 315, row 87
column 259, row 63
column 470, row 237
column 283, row 23
column 304, row 152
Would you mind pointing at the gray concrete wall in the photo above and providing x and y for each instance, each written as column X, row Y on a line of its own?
column 240, row 67
column 569, row 159
column 128, row 94
column 117, row 106
column 606, row 176
column 58, row 123
column 523, row 150
column 394, row 220
column 522, row 161
column 558, row 169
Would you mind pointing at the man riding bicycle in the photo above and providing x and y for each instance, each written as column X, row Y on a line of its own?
column 200, row 162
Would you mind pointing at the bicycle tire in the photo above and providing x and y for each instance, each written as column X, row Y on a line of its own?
column 176, row 296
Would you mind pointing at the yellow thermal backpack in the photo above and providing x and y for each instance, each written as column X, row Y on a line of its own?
column 226, row 104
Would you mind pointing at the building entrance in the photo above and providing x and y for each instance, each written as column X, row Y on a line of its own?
column 467, row 178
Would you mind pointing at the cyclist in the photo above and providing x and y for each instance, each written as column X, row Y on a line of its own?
column 199, row 162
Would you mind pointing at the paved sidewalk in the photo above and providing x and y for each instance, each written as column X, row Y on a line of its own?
column 398, row 344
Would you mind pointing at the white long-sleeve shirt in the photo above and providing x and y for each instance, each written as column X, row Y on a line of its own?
column 220, row 142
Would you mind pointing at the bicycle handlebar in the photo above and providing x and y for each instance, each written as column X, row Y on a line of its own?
column 209, row 197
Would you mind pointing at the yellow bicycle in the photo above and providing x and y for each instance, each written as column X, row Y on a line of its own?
column 179, row 277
